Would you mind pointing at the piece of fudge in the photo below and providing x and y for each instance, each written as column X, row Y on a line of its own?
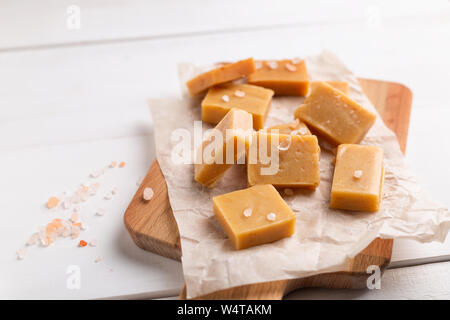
column 253, row 99
column 225, row 73
column 284, row 77
column 254, row 216
column 335, row 116
column 227, row 143
column 295, row 127
column 285, row 161
column 358, row 178
column 340, row 85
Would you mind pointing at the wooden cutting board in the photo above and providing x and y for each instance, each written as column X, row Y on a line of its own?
column 153, row 227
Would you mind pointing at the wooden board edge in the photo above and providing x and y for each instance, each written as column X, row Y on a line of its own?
column 168, row 246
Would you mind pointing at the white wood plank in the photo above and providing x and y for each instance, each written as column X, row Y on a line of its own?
column 429, row 281
column 30, row 176
column 54, row 153
column 77, row 126
column 429, row 160
column 44, row 22
column 411, row 253
column 117, row 75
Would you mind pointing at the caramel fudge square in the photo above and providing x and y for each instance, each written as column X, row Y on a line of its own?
column 284, row 77
column 221, row 99
column 233, row 130
column 254, row 216
column 295, row 166
column 225, row 73
column 333, row 115
column 358, row 178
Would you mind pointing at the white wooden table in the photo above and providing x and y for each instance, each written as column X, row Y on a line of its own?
column 72, row 100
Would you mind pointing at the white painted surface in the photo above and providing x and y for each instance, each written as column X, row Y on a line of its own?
column 429, row 281
column 66, row 110
column 424, row 282
column 30, row 175
column 44, row 22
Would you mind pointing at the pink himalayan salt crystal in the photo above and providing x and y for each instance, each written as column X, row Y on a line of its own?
column 272, row 64
column 148, row 194
column 290, row 67
column 248, row 212
column 20, row 253
column 52, row 202
column 74, row 217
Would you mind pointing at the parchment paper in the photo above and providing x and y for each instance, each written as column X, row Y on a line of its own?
column 324, row 239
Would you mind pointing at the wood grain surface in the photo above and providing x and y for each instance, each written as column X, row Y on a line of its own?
column 152, row 225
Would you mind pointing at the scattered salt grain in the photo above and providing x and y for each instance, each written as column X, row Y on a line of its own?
column 98, row 259
column 285, row 144
column 248, row 212
column 20, row 254
column 33, row 239
column 303, row 130
column 52, row 202
column 57, row 228
column 357, row 174
column 93, row 188
column 66, row 204
column 93, row 243
column 75, row 232
column 67, row 231
column 272, row 64
column 288, row 192
column 290, row 67
column 300, row 131
column 108, row 196
column 114, row 190
column 100, row 212
column 296, row 60
column 97, row 174
column 76, row 198
column 239, row 93
column 225, row 98
column 113, row 164
column 271, row 216
column 74, row 217
column 294, row 124
column 148, row 194
column 82, row 243
column 43, row 237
